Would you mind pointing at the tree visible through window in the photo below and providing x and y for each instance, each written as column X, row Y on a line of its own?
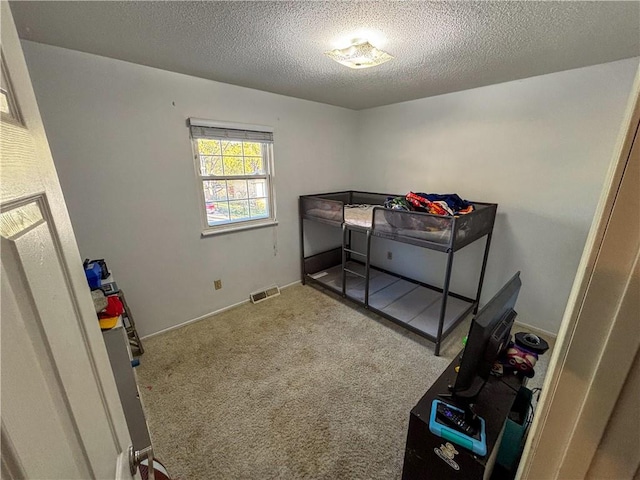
column 235, row 174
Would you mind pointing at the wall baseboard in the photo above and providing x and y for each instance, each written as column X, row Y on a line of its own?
column 207, row 315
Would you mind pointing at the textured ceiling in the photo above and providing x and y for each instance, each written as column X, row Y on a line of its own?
column 440, row 47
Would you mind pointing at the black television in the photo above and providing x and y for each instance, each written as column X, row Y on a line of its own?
column 489, row 334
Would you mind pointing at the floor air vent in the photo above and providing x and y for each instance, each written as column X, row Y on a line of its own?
column 257, row 297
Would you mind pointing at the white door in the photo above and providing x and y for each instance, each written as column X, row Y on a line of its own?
column 61, row 414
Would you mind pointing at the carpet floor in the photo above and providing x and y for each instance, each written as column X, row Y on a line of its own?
column 302, row 386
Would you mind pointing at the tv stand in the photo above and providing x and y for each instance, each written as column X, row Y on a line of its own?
column 432, row 456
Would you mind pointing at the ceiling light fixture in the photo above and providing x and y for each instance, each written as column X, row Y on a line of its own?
column 360, row 54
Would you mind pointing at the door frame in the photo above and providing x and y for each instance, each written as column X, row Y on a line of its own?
column 570, row 422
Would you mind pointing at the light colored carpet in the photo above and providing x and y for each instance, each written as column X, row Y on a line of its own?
column 299, row 386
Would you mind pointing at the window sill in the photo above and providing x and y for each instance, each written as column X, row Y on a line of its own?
column 238, row 228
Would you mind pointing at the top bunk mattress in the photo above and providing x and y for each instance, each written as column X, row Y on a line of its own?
column 405, row 226
column 432, row 230
column 426, row 228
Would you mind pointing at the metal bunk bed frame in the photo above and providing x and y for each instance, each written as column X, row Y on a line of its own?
column 343, row 257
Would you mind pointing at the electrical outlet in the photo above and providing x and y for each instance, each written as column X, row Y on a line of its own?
column 389, row 256
column 217, row 284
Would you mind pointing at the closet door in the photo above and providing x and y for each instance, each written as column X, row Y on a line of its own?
column 599, row 339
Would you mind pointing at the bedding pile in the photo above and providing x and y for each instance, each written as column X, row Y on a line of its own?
column 438, row 204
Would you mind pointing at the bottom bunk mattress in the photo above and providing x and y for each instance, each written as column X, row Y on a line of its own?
column 404, row 301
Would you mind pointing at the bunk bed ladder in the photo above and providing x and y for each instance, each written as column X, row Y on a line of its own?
column 347, row 250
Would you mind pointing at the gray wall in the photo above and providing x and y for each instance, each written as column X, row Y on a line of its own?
column 538, row 147
column 124, row 158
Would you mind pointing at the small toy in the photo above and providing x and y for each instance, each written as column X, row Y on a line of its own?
column 521, row 359
column 522, row 354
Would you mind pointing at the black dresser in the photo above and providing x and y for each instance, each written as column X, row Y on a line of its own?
column 427, row 456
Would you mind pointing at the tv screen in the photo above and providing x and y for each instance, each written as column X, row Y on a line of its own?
column 489, row 334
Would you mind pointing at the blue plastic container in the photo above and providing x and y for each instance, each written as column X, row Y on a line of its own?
column 93, row 272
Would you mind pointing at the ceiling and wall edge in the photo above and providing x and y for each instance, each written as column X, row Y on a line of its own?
column 277, row 46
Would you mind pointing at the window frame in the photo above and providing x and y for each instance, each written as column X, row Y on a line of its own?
column 269, row 177
column 14, row 115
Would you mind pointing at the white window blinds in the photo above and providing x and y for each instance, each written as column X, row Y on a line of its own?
column 250, row 134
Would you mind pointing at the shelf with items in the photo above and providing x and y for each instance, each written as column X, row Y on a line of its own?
column 110, row 288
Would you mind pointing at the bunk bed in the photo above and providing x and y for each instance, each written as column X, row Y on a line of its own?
column 428, row 310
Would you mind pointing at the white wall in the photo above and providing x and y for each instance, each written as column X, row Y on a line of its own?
column 538, row 147
column 121, row 146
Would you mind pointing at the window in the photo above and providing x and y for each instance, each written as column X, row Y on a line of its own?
column 8, row 106
column 234, row 164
